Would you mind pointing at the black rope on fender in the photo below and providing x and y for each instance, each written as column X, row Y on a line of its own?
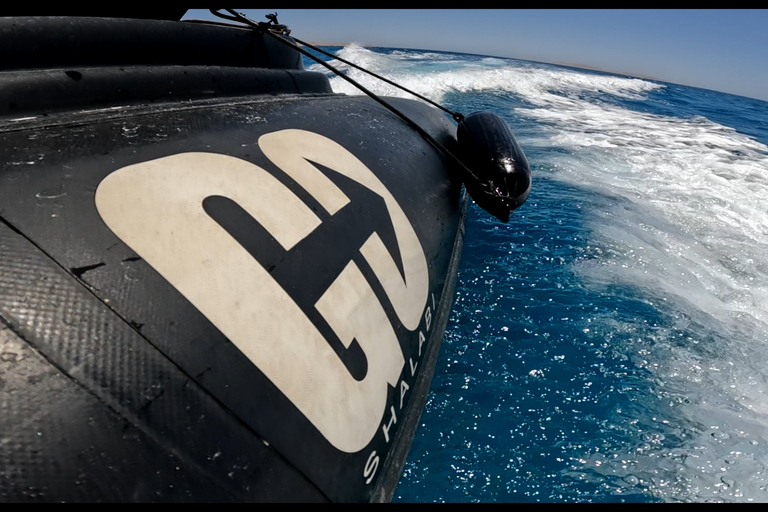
column 275, row 30
column 455, row 115
column 273, row 26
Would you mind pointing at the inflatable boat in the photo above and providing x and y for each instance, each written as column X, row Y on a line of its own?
column 219, row 280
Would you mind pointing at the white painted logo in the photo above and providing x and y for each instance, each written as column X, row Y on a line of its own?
column 155, row 207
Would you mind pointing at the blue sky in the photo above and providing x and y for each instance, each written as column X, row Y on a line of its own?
column 723, row 50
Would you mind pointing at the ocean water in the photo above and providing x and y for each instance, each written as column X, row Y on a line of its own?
column 609, row 343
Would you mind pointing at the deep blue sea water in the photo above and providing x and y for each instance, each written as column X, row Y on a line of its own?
column 610, row 343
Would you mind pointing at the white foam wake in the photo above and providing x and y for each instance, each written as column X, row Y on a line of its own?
column 682, row 219
column 434, row 74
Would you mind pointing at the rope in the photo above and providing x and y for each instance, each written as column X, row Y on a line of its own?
column 267, row 28
column 455, row 115
column 458, row 117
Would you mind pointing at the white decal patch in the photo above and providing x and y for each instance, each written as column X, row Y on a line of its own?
column 291, row 149
column 155, row 207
